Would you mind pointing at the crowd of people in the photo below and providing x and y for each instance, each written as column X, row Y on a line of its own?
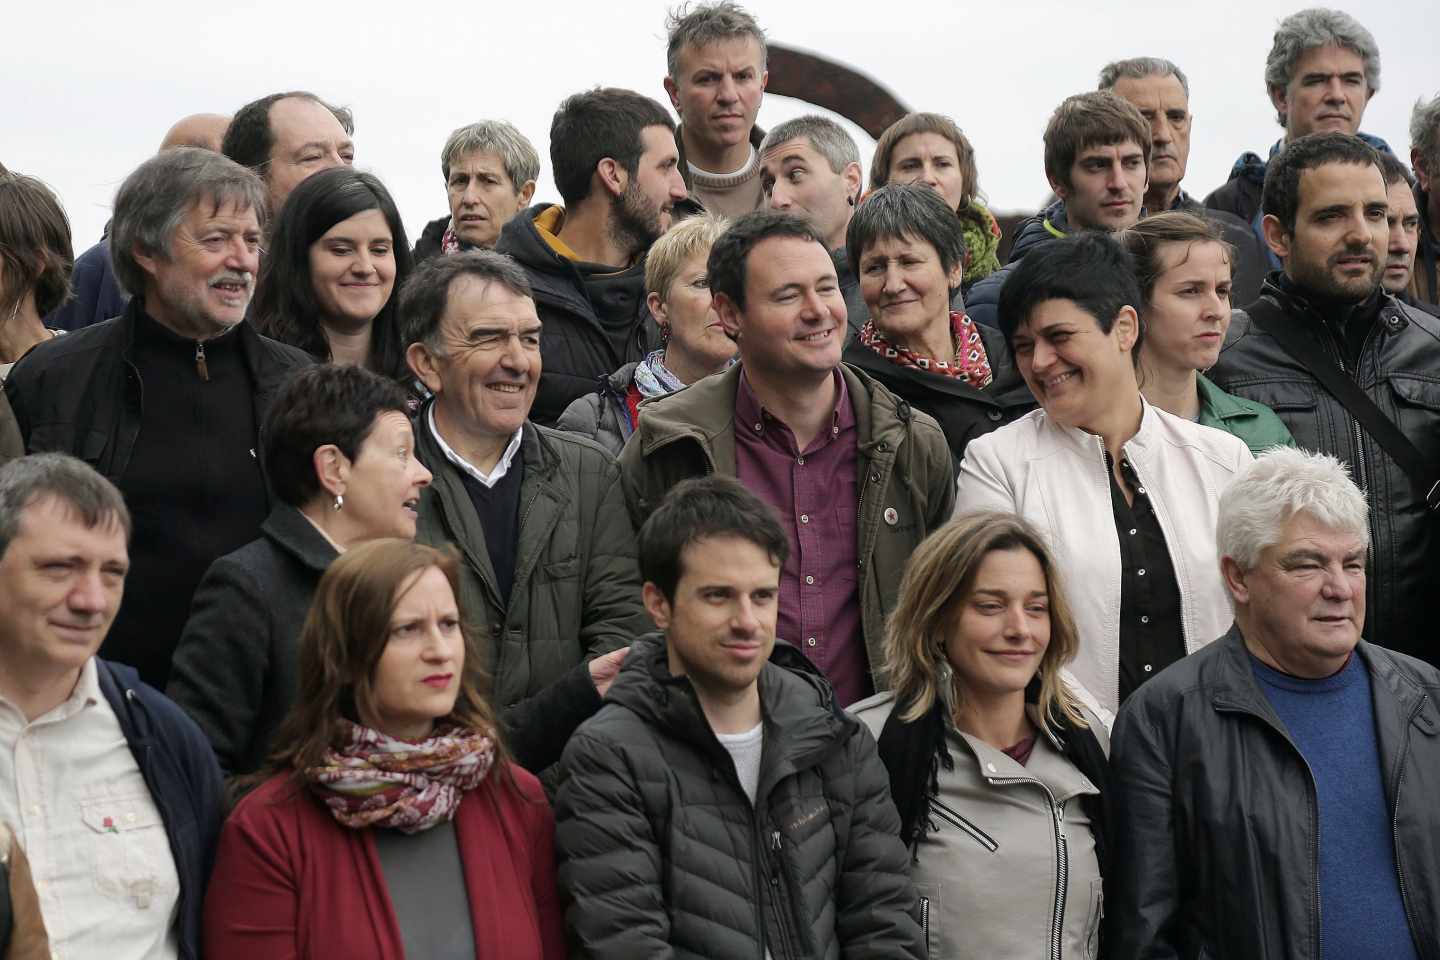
column 737, row 558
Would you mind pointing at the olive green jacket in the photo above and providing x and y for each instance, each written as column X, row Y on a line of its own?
column 1252, row 422
column 904, row 474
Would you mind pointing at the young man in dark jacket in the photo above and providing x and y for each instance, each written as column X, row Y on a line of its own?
column 721, row 805
column 1276, row 790
column 1325, row 215
column 112, row 790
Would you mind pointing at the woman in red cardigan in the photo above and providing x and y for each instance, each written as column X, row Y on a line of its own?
column 392, row 823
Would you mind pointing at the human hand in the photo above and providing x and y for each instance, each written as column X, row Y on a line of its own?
column 604, row 669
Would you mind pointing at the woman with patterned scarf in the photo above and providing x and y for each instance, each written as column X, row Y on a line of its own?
column 907, row 249
column 391, row 822
column 694, row 347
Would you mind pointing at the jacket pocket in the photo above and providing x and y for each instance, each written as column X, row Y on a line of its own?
column 560, row 569
column 954, row 818
column 932, row 902
column 1298, row 407
column 1417, row 405
column 1092, row 923
column 88, row 445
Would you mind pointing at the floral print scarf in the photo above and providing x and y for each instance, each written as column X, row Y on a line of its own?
column 969, row 363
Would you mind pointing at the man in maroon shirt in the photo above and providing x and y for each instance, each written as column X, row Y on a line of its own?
column 856, row 475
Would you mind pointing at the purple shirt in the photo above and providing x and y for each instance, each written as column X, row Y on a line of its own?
column 814, row 491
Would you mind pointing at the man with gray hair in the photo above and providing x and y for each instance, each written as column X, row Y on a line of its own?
column 112, row 790
column 1425, row 158
column 810, row 166
column 1278, row 787
column 166, row 399
column 1322, row 70
column 490, row 171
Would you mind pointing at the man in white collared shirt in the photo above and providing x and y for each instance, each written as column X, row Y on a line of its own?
column 113, row 792
column 548, row 568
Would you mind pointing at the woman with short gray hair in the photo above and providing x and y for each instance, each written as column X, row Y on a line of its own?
column 490, row 170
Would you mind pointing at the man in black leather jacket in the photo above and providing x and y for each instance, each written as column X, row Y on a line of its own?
column 1276, row 791
column 1325, row 216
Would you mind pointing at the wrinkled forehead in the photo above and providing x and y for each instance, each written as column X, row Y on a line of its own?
column 725, row 55
column 472, row 300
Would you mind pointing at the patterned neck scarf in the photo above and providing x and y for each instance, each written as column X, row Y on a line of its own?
column 449, row 243
column 970, row 363
column 376, row 781
column 653, row 378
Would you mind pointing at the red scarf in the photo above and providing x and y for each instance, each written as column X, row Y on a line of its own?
column 969, row 364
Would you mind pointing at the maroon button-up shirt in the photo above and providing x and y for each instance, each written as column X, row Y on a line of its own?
column 814, row 491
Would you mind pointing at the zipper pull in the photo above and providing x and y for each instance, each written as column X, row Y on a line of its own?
column 775, row 841
column 200, row 366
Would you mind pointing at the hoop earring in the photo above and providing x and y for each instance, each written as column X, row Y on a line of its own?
column 339, row 502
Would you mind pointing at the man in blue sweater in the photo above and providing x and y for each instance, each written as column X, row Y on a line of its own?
column 1278, row 789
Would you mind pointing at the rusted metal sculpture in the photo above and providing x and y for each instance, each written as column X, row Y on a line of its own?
column 836, row 87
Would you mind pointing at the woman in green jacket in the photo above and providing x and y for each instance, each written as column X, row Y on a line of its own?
column 1183, row 268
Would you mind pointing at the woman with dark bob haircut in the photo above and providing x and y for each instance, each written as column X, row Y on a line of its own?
column 997, row 770
column 336, row 259
column 36, row 260
column 390, row 822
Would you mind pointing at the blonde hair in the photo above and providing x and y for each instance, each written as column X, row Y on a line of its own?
column 678, row 244
column 937, row 581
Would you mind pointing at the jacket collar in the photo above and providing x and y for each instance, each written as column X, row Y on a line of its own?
column 1146, row 440
column 292, row 531
column 1221, row 405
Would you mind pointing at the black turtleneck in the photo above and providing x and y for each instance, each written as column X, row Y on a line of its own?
column 1351, row 321
column 193, row 485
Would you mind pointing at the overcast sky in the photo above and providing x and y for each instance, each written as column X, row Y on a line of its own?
column 90, row 87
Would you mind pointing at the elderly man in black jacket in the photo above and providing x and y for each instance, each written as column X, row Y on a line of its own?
column 1327, row 315
column 166, row 399
column 722, row 805
column 1276, row 790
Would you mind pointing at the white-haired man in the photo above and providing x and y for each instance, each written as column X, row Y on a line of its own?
column 1278, row 787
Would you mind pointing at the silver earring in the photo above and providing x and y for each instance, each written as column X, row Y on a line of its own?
column 339, row 502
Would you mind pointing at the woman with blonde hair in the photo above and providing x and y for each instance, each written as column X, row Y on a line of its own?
column 392, row 822
column 997, row 770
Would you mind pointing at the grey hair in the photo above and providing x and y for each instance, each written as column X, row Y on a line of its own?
column 517, row 154
column 60, row 476
column 910, row 211
column 1425, row 133
column 1319, row 27
column 158, row 195
column 827, row 137
column 706, row 24
column 1138, row 68
column 1282, row 482
column 427, row 291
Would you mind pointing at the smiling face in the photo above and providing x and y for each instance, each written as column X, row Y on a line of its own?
column 1404, row 223
column 60, row 587
column 796, row 178
column 1163, row 103
column 1327, row 93
column 202, row 286
column 307, row 139
column 417, row 678
column 482, row 198
column 1079, row 373
column 382, row 484
column 793, row 324
column 352, row 267
column 1107, row 187
column 717, row 90
column 1002, row 628
column 1339, row 245
column 907, row 291
column 932, row 160
column 688, row 312
column 1189, row 308
column 1302, row 607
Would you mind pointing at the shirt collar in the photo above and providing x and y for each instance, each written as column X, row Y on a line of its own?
column 751, row 413
column 85, row 695
column 501, row 468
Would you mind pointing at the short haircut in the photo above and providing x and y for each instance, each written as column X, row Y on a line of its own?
column 824, row 135
column 160, row 193
column 678, row 244
column 599, row 123
column 320, row 404
column 729, row 256
column 708, row 23
column 1147, row 241
column 1090, row 269
column 1096, row 119
column 72, row 482
column 934, row 123
column 249, row 138
column 1282, row 482
column 286, row 307
column 1280, row 197
column 1393, row 169
column 1318, row 27
column 1138, row 68
column 427, row 292
column 35, row 246
column 1425, row 134
column 517, row 154
column 698, row 509
column 907, row 211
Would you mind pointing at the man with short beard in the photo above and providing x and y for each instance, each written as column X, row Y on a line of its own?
column 617, row 169
column 166, row 399
column 1325, row 218
column 1404, row 220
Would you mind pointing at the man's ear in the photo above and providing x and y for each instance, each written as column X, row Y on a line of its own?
column 1279, row 100
column 612, row 176
column 1234, row 579
column 1421, row 168
column 1275, row 236
column 729, row 314
column 853, row 181
column 673, row 91
column 422, row 363
column 1060, row 190
column 332, row 469
column 147, row 262
column 656, row 605
column 527, row 193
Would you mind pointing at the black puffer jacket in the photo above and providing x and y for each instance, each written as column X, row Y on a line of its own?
column 1215, row 812
column 1399, row 368
column 662, row 855
column 982, row 304
column 429, row 243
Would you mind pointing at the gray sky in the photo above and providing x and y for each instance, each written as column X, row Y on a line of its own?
column 91, row 87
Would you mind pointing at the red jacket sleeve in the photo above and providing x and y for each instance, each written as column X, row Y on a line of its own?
column 250, row 906
column 543, row 881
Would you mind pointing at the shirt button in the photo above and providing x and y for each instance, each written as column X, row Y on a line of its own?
column 35, row 809
column 758, row 428
column 810, row 580
column 1141, row 491
column 804, row 518
column 1141, row 571
column 811, row 641
column 1148, row 668
column 1132, row 531
column 800, row 460
column 1144, row 619
column 995, row 415
column 129, row 818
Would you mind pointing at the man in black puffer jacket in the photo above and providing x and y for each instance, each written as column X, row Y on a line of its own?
column 721, row 804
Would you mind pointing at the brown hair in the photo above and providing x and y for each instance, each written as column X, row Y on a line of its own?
column 1096, row 119
column 937, row 582
column 925, row 123
column 343, row 639
column 35, row 246
column 1147, row 240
